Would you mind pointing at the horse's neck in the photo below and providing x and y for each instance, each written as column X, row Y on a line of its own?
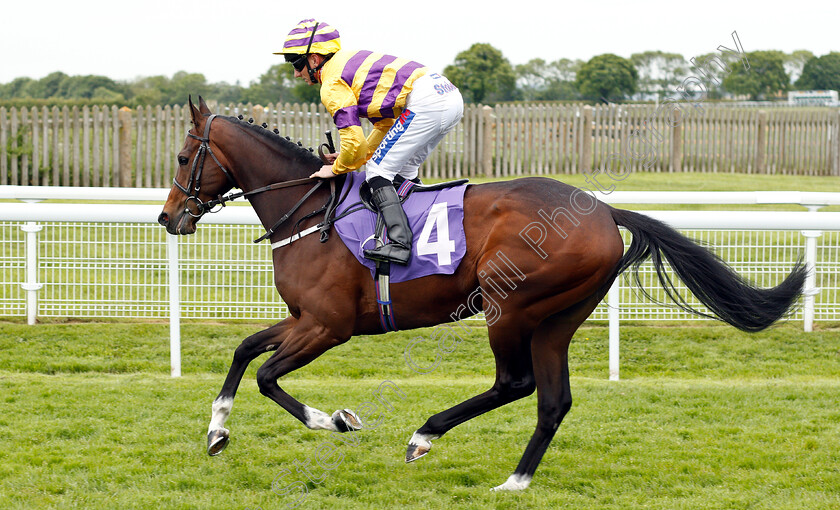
column 272, row 205
column 258, row 165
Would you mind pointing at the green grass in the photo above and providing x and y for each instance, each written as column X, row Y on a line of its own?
column 705, row 417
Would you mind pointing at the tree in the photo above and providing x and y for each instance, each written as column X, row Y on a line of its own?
column 183, row 85
column 274, row 86
column 821, row 73
column 795, row 62
column 17, row 88
column 224, row 92
column 606, row 77
column 565, row 69
column 149, row 90
column 659, row 72
column 765, row 76
column 50, row 86
column 707, row 67
column 561, row 83
column 541, row 81
column 483, row 74
column 84, row 87
column 105, row 95
column 532, row 78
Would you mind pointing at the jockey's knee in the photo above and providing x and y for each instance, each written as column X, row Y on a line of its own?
column 377, row 182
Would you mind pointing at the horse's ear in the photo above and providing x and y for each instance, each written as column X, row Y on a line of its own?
column 202, row 106
column 195, row 113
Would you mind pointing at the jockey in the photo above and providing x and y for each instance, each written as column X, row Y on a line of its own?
column 411, row 110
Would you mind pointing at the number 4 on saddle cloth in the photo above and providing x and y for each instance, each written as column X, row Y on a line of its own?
column 436, row 218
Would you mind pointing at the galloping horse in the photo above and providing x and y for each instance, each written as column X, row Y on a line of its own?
column 562, row 246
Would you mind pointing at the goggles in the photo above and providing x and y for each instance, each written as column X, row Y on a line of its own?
column 299, row 62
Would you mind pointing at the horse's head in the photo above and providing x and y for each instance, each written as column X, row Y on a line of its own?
column 202, row 175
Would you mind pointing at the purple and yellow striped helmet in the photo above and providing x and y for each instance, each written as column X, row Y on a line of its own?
column 310, row 36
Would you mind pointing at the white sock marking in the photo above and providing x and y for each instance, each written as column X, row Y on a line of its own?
column 221, row 411
column 423, row 440
column 514, row 483
column 318, row 420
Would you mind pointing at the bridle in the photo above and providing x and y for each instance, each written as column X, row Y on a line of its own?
column 196, row 170
column 194, row 186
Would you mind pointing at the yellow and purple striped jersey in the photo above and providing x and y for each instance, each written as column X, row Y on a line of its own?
column 363, row 84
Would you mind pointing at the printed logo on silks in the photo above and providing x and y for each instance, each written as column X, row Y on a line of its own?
column 393, row 135
column 445, row 87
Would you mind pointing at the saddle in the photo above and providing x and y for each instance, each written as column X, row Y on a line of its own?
column 405, row 188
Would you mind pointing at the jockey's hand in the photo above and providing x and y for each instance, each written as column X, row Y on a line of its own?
column 324, row 173
column 331, row 157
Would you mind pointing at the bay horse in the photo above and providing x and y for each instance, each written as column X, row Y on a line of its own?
column 565, row 255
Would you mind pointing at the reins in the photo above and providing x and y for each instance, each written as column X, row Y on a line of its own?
column 194, row 186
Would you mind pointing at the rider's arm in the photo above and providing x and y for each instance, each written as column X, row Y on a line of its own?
column 353, row 150
column 341, row 104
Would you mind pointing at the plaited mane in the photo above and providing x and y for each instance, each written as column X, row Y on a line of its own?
column 290, row 149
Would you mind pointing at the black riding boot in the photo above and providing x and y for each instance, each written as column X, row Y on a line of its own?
column 399, row 249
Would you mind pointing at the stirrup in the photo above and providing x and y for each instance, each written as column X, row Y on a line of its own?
column 391, row 252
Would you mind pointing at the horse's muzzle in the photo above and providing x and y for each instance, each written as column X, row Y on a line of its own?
column 183, row 224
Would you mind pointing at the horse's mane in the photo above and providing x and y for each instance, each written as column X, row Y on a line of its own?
column 284, row 145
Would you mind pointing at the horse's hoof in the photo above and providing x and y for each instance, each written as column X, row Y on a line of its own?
column 216, row 441
column 418, row 446
column 414, row 452
column 346, row 420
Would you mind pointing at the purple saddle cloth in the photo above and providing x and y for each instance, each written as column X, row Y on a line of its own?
column 437, row 222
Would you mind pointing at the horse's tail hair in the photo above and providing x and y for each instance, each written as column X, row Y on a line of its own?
column 729, row 297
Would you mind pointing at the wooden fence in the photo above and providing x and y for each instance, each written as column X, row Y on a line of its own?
column 107, row 146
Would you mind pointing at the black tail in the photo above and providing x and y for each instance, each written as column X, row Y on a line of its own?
column 730, row 297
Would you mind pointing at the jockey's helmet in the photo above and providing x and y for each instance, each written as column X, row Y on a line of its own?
column 309, row 36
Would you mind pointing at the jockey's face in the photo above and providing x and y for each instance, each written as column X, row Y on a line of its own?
column 314, row 61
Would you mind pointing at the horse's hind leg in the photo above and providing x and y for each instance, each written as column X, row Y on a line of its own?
column 514, row 380
column 549, row 352
column 250, row 348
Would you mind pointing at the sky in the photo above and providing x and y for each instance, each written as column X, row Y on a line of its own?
column 233, row 41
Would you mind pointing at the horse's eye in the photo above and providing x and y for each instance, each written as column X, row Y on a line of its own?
column 182, row 160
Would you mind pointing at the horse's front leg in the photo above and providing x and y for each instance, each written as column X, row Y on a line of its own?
column 307, row 341
column 256, row 344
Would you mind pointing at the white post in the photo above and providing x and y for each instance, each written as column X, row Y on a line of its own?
column 31, row 285
column 174, row 306
column 810, row 290
column 613, row 304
